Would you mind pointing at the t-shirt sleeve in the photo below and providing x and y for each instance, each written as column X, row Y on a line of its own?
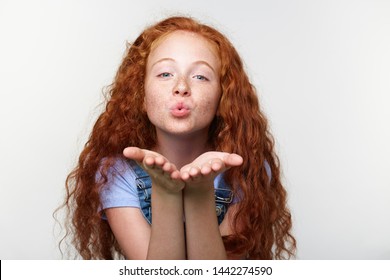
column 120, row 190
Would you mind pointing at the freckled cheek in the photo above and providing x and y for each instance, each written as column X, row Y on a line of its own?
column 153, row 97
column 151, row 100
column 208, row 108
column 154, row 107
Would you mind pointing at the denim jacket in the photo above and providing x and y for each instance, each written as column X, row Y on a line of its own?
column 223, row 194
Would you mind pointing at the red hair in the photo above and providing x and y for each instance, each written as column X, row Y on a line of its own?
column 261, row 225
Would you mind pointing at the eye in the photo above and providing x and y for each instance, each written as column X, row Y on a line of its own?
column 201, row 77
column 164, row 75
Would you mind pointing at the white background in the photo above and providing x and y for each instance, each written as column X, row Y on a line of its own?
column 322, row 70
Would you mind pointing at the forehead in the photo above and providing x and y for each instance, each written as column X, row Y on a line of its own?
column 184, row 44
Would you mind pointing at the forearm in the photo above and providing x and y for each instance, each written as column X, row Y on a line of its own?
column 203, row 238
column 167, row 230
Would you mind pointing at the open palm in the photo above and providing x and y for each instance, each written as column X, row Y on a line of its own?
column 162, row 172
column 204, row 169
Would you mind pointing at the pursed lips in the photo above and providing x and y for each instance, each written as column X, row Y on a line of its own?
column 180, row 110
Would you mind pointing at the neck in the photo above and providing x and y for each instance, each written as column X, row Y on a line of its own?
column 181, row 150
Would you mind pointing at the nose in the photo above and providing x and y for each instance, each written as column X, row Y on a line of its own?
column 181, row 87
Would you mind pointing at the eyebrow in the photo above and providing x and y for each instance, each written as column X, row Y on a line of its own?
column 196, row 62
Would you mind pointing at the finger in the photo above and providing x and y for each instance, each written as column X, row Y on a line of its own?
column 149, row 161
column 160, row 161
column 233, row 160
column 170, row 167
column 175, row 175
column 167, row 167
column 185, row 176
column 185, row 168
column 217, row 165
column 194, row 171
column 134, row 153
column 206, row 169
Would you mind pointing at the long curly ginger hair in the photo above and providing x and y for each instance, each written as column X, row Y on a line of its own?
column 261, row 225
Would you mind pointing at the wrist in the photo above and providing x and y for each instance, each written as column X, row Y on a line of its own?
column 201, row 193
column 167, row 187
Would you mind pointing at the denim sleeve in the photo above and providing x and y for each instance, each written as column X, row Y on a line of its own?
column 120, row 190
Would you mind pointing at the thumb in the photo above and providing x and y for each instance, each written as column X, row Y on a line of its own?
column 231, row 160
column 134, row 153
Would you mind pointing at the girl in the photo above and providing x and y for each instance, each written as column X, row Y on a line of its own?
column 181, row 164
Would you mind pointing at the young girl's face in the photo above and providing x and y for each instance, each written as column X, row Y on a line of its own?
column 182, row 86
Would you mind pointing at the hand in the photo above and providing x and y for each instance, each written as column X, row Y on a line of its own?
column 163, row 173
column 200, row 174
